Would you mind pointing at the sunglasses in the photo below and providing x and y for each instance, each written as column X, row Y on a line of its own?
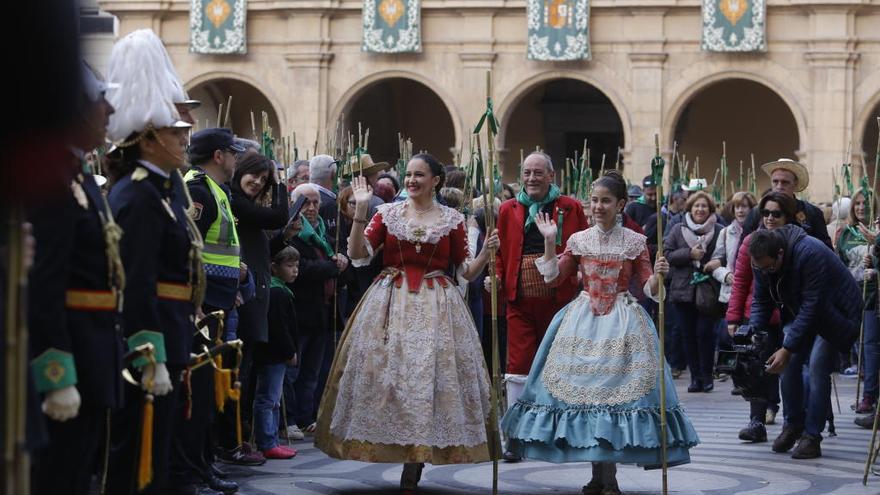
column 771, row 213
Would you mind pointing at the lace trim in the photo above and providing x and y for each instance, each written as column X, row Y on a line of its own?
column 623, row 346
column 549, row 269
column 361, row 262
column 400, row 227
column 620, row 242
column 639, row 377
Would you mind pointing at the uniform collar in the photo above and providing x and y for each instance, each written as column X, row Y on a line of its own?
column 153, row 168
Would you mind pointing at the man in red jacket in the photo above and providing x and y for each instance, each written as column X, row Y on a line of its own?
column 531, row 303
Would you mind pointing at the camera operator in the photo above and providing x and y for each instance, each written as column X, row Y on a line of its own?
column 820, row 305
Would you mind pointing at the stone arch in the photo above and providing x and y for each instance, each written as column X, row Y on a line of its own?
column 694, row 85
column 699, row 133
column 611, row 123
column 251, row 94
column 356, row 91
column 865, row 125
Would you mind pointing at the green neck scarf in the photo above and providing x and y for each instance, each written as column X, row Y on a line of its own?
column 279, row 284
column 315, row 238
column 536, row 206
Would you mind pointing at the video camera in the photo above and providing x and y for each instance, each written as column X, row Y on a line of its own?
column 745, row 363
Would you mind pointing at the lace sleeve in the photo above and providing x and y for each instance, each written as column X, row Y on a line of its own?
column 559, row 268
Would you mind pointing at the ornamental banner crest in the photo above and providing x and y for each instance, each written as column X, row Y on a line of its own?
column 217, row 26
column 734, row 25
column 558, row 30
column 392, row 26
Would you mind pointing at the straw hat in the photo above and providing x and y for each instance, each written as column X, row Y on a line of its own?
column 799, row 171
column 366, row 166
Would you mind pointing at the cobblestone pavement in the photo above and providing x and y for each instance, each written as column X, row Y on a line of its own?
column 721, row 464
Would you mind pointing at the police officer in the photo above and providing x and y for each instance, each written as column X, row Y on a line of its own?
column 160, row 253
column 73, row 310
column 212, row 155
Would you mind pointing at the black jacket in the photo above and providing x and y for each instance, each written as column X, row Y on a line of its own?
column 70, row 254
column 155, row 248
column 640, row 212
column 281, row 345
column 253, row 221
column 814, row 291
column 681, row 268
column 308, row 289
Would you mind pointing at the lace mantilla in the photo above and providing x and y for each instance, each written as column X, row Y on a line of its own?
column 619, row 242
column 402, row 228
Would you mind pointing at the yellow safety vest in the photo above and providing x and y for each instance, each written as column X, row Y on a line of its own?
column 221, row 242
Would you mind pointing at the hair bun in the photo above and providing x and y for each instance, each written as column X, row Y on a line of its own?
column 615, row 174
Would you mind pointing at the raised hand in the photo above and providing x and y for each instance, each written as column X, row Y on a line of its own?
column 361, row 191
column 546, row 226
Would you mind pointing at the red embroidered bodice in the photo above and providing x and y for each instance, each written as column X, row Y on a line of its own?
column 608, row 261
column 418, row 251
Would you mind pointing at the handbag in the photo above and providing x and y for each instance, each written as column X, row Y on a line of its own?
column 706, row 294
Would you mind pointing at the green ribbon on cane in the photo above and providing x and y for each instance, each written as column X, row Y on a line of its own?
column 489, row 116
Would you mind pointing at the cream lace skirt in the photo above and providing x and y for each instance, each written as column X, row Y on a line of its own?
column 409, row 382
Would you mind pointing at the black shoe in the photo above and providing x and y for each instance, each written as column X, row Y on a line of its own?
column 221, row 485
column 708, row 386
column 509, row 456
column 695, row 386
column 736, row 391
column 866, row 422
column 755, row 432
column 786, row 440
column 807, row 448
column 208, row 491
column 216, row 471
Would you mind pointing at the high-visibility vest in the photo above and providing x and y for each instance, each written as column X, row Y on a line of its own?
column 221, row 241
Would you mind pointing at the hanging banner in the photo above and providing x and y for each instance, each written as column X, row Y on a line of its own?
column 217, row 26
column 734, row 25
column 558, row 30
column 392, row 26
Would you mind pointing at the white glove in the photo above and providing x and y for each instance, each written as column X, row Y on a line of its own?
column 156, row 380
column 62, row 404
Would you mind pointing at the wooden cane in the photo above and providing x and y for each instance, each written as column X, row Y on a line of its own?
column 489, row 209
column 661, row 324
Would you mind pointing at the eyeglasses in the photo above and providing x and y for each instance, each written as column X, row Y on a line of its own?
column 771, row 213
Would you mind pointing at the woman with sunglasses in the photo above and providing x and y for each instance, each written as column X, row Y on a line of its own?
column 777, row 209
column 853, row 246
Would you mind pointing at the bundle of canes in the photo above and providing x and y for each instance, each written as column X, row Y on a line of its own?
column 657, row 165
column 488, row 206
column 872, row 453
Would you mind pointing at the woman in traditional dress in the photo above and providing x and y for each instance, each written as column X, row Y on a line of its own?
column 409, row 383
column 593, row 393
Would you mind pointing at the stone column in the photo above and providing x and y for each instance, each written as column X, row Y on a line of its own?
column 308, row 63
column 832, row 58
column 647, row 59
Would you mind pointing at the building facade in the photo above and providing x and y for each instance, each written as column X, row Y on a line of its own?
column 814, row 94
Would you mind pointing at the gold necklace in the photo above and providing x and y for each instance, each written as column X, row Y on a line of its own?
column 419, row 212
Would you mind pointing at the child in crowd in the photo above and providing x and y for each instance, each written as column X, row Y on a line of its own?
column 272, row 358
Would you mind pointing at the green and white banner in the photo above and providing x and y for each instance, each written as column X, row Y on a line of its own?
column 217, row 26
column 558, row 30
column 734, row 25
column 392, row 26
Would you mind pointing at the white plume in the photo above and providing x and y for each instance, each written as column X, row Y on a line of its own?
column 148, row 85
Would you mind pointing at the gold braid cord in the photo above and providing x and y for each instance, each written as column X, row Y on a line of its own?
column 197, row 269
column 112, row 237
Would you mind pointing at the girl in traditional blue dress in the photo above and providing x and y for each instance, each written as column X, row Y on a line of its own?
column 593, row 393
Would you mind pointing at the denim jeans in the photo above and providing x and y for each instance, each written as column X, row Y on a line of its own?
column 267, row 404
column 808, row 410
column 871, row 357
column 699, row 335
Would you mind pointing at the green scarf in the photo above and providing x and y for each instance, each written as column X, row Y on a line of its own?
column 536, row 206
column 315, row 238
column 277, row 283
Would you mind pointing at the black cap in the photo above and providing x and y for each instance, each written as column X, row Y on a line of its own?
column 205, row 142
column 634, row 191
column 648, row 181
